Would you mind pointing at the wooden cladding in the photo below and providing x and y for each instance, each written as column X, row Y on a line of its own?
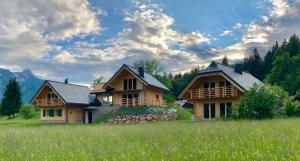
column 49, row 102
column 217, row 92
column 142, row 102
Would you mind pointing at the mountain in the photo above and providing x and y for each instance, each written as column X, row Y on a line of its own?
column 29, row 84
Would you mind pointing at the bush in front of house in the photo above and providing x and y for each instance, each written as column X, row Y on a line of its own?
column 123, row 110
column 258, row 103
column 291, row 108
column 184, row 113
column 27, row 111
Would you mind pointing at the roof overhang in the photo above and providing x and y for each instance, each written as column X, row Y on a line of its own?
column 210, row 74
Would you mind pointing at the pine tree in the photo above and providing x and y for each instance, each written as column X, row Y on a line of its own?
column 225, row 61
column 294, row 45
column 253, row 64
column 11, row 102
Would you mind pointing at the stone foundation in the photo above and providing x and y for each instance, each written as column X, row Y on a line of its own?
column 142, row 118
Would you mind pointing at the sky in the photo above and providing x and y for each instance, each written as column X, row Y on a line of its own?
column 84, row 39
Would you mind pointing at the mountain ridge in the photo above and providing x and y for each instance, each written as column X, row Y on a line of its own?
column 28, row 82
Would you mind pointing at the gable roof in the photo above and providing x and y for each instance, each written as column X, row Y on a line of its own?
column 70, row 93
column 243, row 80
column 148, row 79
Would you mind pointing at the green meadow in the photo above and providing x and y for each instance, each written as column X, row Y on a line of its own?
column 277, row 139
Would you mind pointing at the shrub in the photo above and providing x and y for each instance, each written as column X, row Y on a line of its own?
column 292, row 108
column 258, row 103
column 27, row 111
column 169, row 97
column 104, row 118
column 184, row 114
column 143, row 110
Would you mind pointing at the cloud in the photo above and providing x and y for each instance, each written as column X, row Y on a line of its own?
column 238, row 26
column 149, row 35
column 30, row 30
column 280, row 23
column 226, row 33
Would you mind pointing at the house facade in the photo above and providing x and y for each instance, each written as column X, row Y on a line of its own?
column 214, row 89
column 69, row 103
column 65, row 103
column 132, row 87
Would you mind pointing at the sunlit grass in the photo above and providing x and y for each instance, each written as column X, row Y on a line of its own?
column 277, row 139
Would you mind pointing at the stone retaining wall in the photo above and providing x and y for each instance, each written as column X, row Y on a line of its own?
column 142, row 118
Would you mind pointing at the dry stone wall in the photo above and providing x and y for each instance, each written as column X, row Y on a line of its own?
column 127, row 119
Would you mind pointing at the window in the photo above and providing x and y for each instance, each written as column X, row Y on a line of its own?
column 157, row 97
column 209, row 110
column 222, row 110
column 59, row 112
column 228, row 83
column 212, row 110
column 134, row 83
column 206, row 111
column 125, row 84
column 129, row 84
column 51, row 112
column 107, row 100
column 221, row 83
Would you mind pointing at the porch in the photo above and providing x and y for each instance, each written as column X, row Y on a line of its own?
column 218, row 92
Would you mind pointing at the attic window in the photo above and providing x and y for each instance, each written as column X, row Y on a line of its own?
column 129, row 84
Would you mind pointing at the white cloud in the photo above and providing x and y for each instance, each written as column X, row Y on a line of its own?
column 238, row 26
column 30, row 29
column 226, row 33
column 281, row 22
column 149, row 35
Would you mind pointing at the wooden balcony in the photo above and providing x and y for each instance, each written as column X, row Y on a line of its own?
column 218, row 92
column 142, row 102
column 49, row 102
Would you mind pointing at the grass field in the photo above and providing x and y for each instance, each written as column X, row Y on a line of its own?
column 277, row 139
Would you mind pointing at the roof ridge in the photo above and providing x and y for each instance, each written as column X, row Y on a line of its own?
column 67, row 83
column 136, row 69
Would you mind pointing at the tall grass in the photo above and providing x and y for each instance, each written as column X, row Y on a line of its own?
column 174, row 140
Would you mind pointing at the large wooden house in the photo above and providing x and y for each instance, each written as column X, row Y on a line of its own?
column 70, row 103
column 131, row 87
column 214, row 89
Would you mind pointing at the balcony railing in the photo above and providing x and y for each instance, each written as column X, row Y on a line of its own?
column 218, row 92
column 49, row 102
column 142, row 102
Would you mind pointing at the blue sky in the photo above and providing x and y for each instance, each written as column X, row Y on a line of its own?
column 83, row 39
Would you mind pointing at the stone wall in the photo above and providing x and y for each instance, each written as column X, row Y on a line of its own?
column 142, row 118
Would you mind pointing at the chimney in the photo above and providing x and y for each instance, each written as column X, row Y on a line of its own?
column 238, row 68
column 141, row 71
column 66, row 81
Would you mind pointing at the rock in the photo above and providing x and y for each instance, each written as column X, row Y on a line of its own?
column 155, row 117
column 123, row 119
column 142, row 118
column 128, row 117
column 148, row 117
column 127, row 122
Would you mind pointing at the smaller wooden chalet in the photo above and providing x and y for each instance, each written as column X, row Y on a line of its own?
column 131, row 87
column 213, row 90
column 65, row 103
